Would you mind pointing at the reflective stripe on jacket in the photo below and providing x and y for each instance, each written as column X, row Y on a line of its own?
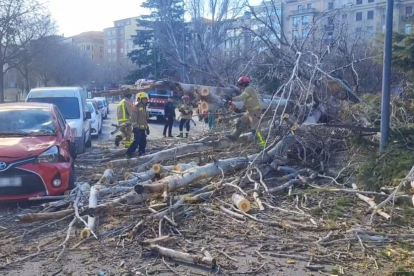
column 124, row 111
column 140, row 116
column 250, row 99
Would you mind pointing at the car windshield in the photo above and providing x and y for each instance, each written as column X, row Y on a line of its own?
column 100, row 103
column 26, row 122
column 68, row 106
column 91, row 109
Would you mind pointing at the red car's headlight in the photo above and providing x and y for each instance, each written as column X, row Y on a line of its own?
column 49, row 156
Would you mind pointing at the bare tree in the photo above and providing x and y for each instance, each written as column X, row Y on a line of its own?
column 22, row 21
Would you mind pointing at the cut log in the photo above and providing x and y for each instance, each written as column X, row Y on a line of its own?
column 172, row 183
column 186, row 257
column 33, row 217
column 93, row 202
column 108, row 177
column 241, row 203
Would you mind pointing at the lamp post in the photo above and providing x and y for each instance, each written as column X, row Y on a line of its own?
column 386, row 77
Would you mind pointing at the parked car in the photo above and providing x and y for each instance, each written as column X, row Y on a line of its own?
column 96, row 119
column 98, row 107
column 102, row 106
column 71, row 102
column 105, row 103
column 36, row 151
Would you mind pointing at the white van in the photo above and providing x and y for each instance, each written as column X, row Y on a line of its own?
column 71, row 102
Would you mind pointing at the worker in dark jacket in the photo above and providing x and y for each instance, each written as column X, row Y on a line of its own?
column 169, row 111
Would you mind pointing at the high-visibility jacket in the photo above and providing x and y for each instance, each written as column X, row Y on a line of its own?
column 186, row 111
column 124, row 111
column 250, row 99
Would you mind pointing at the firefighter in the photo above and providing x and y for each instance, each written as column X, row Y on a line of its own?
column 251, row 117
column 124, row 112
column 169, row 111
column 186, row 111
column 139, row 120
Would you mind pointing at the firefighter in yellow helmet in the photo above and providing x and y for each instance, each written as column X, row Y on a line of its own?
column 140, row 127
column 124, row 112
column 251, row 117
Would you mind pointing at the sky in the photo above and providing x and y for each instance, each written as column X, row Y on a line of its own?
column 76, row 16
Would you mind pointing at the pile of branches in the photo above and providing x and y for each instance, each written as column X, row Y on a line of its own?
column 181, row 199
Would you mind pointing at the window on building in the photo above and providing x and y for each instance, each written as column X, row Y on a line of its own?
column 113, row 32
column 330, row 35
column 344, row 16
column 330, row 20
column 358, row 30
column 113, row 41
column 295, row 34
column 359, row 16
column 101, row 49
column 370, row 1
column 121, row 31
column 358, row 2
column 409, row 10
column 88, row 48
column 299, row 7
column 408, row 29
column 295, row 21
column 109, row 42
column 305, row 33
column 121, row 50
column 109, row 51
column 305, row 20
column 330, row 5
column 370, row 30
column 114, row 59
column 309, row 6
column 370, row 15
column 108, row 33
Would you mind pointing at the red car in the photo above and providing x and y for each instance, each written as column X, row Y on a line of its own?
column 36, row 151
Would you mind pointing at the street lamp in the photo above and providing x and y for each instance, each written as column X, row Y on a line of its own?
column 386, row 78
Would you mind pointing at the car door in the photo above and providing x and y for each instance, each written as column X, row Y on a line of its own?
column 64, row 136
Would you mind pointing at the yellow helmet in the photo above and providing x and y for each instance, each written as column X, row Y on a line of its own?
column 141, row 95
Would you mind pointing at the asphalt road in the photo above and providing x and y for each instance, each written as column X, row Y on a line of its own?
column 156, row 128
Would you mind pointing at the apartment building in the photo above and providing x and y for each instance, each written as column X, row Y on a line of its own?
column 243, row 34
column 362, row 17
column 90, row 45
column 119, row 43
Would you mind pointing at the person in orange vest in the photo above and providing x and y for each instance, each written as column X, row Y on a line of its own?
column 124, row 112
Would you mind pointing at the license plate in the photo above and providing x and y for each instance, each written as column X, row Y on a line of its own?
column 11, row 182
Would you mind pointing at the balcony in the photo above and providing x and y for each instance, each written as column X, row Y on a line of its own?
column 329, row 28
column 407, row 18
column 303, row 11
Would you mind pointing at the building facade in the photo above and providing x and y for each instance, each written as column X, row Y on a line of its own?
column 119, row 43
column 90, row 45
column 360, row 17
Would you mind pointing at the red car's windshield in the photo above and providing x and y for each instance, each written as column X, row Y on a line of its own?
column 26, row 122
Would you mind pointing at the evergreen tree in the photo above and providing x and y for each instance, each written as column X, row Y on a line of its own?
column 159, row 39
